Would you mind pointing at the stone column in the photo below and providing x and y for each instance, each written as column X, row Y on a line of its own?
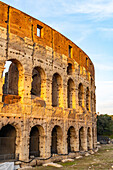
column 24, row 154
column 1, row 81
column 48, row 91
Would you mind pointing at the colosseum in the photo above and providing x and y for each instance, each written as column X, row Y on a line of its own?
column 47, row 92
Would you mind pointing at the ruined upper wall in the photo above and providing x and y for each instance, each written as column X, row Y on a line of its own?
column 23, row 25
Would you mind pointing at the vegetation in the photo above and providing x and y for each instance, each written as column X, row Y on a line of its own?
column 105, row 125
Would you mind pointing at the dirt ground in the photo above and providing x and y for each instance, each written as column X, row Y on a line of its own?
column 103, row 159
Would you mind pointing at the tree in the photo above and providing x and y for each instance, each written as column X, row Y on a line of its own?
column 104, row 125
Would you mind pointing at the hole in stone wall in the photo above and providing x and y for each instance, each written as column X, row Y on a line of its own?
column 87, row 98
column 39, row 30
column 71, row 140
column 56, row 90
column 7, row 142
column 70, row 51
column 70, row 93
column 12, row 81
column 81, row 139
column 88, row 138
column 36, row 83
column 56, row 140
column 69, row 69
column 10, row 77
column 34, row 142
column 80, row 94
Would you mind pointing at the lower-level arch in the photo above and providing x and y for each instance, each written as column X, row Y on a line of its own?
column 56, row 140
column 94, row 134
column 7, row 142
column 89, row 140
column 81, row 139
column 37, row 141
column 71, row 139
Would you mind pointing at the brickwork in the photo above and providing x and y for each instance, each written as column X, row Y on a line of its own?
column 49, row 98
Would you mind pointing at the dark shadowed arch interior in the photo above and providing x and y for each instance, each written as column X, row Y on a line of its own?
column 13, row 81
column 56, row 90
column 34, row 142
column 80, row 94
column 37, row 141
column 87, row 98
column 93, row 137
column 88, row 138
column 38, row 82
column 70, row 93
column 92, row 101
column 7, row 142
column 81, row 139
column 71, row 140
column 69, row 69
column 56, row 140
column 11, row 77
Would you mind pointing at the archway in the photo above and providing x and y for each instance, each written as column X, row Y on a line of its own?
column 87, row 98
column 80, row 94
column 13, row 81
column 81, row 139
column 56, row 140
column 93, row 137
column 7, row 142
column 71, row 139
column 70, row 93
column 89, row 138
column 38, row 82
column 56, row 90
column 92, row 101
column 69, row 69
column 37, row 141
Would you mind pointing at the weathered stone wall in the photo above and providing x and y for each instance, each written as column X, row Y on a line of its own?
column 63, row 99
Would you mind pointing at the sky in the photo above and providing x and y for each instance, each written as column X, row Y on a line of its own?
column 89, row 24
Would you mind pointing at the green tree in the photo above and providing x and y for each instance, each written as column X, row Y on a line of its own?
column 104, row 125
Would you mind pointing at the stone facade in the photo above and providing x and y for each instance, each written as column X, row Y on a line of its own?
column 47, row 98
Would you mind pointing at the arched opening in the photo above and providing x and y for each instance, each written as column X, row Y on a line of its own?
column 91, row 82
column 56, row 140
column 81, row 139
column 70, row 93
column 56, row 90
column 87, row 98
column 92, row 101
column 80, row 94
column 38, row 82
column 71, row 140
column 93, row 137
column 13, row 81
column 88, row 138
column 7, row 142
column 69, row 69
column 37, row 141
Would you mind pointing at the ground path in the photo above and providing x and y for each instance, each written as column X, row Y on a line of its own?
column 103, row 159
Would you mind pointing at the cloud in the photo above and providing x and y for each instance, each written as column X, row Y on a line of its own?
column 104, row 67
column 98, row 9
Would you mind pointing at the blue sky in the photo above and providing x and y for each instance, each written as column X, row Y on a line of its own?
column 89, row 24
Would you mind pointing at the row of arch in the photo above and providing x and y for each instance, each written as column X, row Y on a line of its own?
column 13, row 85
column 37, row 140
